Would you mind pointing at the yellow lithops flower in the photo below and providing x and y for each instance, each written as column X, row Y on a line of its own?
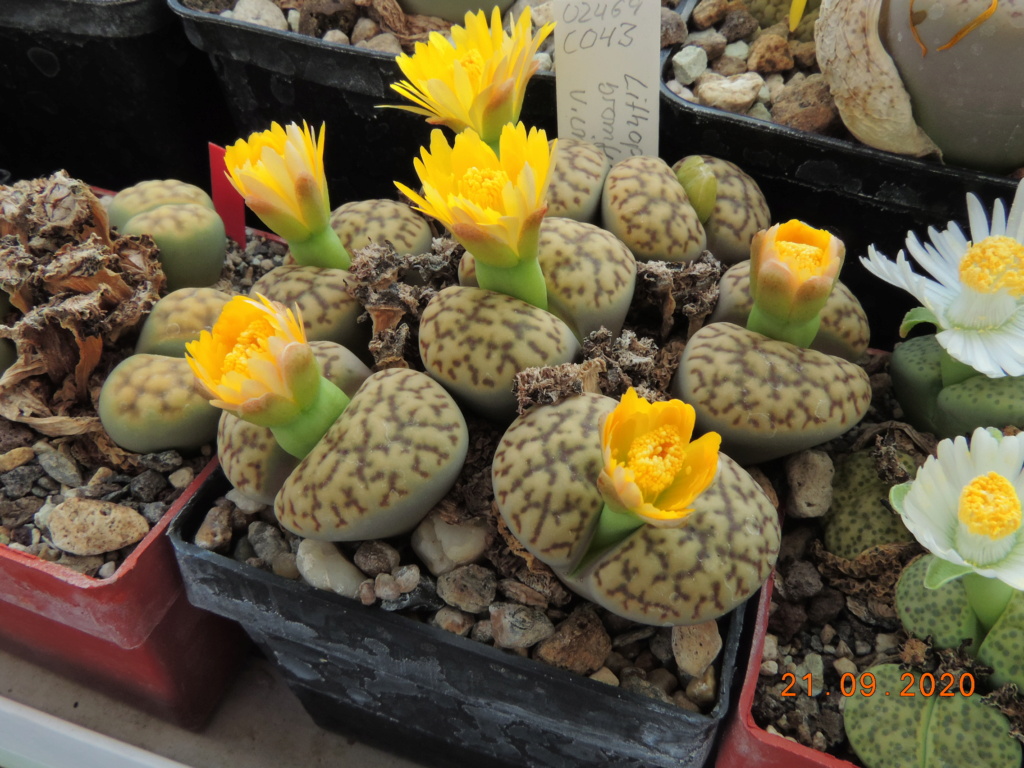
column 280, row 173
column 255, row 361
column 492, row 202
column 964, row 506
column 651, row 467
column 475, row 80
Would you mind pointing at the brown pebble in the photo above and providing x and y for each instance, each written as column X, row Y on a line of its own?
column 770, row 54
column 214, row 533
column 580, row 644
column 374, row 557
column 739, row 24
column 283, row 565
column 15, row 458
column 366, row 593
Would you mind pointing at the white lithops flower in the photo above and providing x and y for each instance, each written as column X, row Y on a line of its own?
column 964, row 506
column 975, row 292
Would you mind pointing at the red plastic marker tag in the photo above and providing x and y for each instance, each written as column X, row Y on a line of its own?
column 226, row 200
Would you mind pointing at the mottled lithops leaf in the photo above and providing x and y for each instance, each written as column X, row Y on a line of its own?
column 844, row 330
column 860, row 517
column 1003, row 647
column 918, row 731
column 767, row 398
column 178, row 318
column 545, row 477
column 329, row 311
column 943, row 614
column 699, row 571
column 475, row 341
column 147, row 195
column 373, row 221
column 740, row 211
column 577, row 179
column 644, row 205
column 590, row 275
column 250, row 456
column 864, row 81
column 545, row 472
column 148, row 403
column 389, row 458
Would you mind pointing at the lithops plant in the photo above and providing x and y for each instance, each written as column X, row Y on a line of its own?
column 676, row 534
column 902, row 731
column 729, row 204
column 644, row 205
column 475, row 341
column 768, row 398
column 972, row 293
column 943, row 614
column 590, row 275
column 178, row 318
column 191, row 240
column 858, row 518
column 391, row 456
column 577, row 180
column 148, row 404
column 927, row 76
column 362, row 222
column 771, row 12
column 250, row 456
column 147, row 195
column 844, row 330
column 329, row 311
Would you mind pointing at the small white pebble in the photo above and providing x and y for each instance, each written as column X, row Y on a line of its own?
column 244, row 503
column 181, row 478
column 106, row 570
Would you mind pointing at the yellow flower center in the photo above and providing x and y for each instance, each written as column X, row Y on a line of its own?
column 806, row 261
column 989, row 506
column 484, row 186
column 994, row 264
column 656, row 458
column 251, row 341
column 473, row 64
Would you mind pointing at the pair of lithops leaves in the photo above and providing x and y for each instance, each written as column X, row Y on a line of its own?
column 545, row 473
column 476, row 341
column 937, row 719
column 953, row 409
column 924, row 77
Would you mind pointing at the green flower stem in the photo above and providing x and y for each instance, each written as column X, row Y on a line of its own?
column 798, row 334
column 524, row 281
column 300, row 435
column 953, row 371
column 988, row 598
column 612, row 528
column 321, row 249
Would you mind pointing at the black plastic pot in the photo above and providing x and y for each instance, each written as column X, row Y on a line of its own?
column 273, row 75
column 864, row 195
column 109, row 90
column 432, row 696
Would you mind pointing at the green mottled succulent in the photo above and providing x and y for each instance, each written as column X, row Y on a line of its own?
column 250, row 456
column 771, row 12
column 474, row 342
column 644, row 205
column 148, row 404
column 323, row 296
column 944, row 614
column 191, row 240
column 577, row 180
column 391, row 456
column 843, row 331
column 147, row 195
column 920, row 731
column 590, row 275
column 859, row 517
column 1003, row 646
column 548, row 472
column 933, row 401
column 360, row 223
column 178, row 318
column 767, row 398
column 729, row 204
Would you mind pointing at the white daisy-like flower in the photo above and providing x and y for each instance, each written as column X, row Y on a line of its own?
column 964, row 506
column 975, row 292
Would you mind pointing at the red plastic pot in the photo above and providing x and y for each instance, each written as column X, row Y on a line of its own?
column 134, row 636
column 744, row 743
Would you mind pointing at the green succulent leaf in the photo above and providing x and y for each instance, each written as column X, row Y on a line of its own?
column 942, row 571
column 916, row 316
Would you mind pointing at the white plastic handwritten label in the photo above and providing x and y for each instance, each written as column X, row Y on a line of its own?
column 607, row 73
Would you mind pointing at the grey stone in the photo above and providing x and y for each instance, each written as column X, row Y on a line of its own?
column 267, row 541
column 58, row 466
column 518, row 626
column 16, row 512
column 689, row 63
column 154, row 511
column 469, row 588
column 374, row 557
column 801, row 581
column 148, row 485
column 165, row 461
column 809, row 474
column 422, row 598
column 19, row 481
